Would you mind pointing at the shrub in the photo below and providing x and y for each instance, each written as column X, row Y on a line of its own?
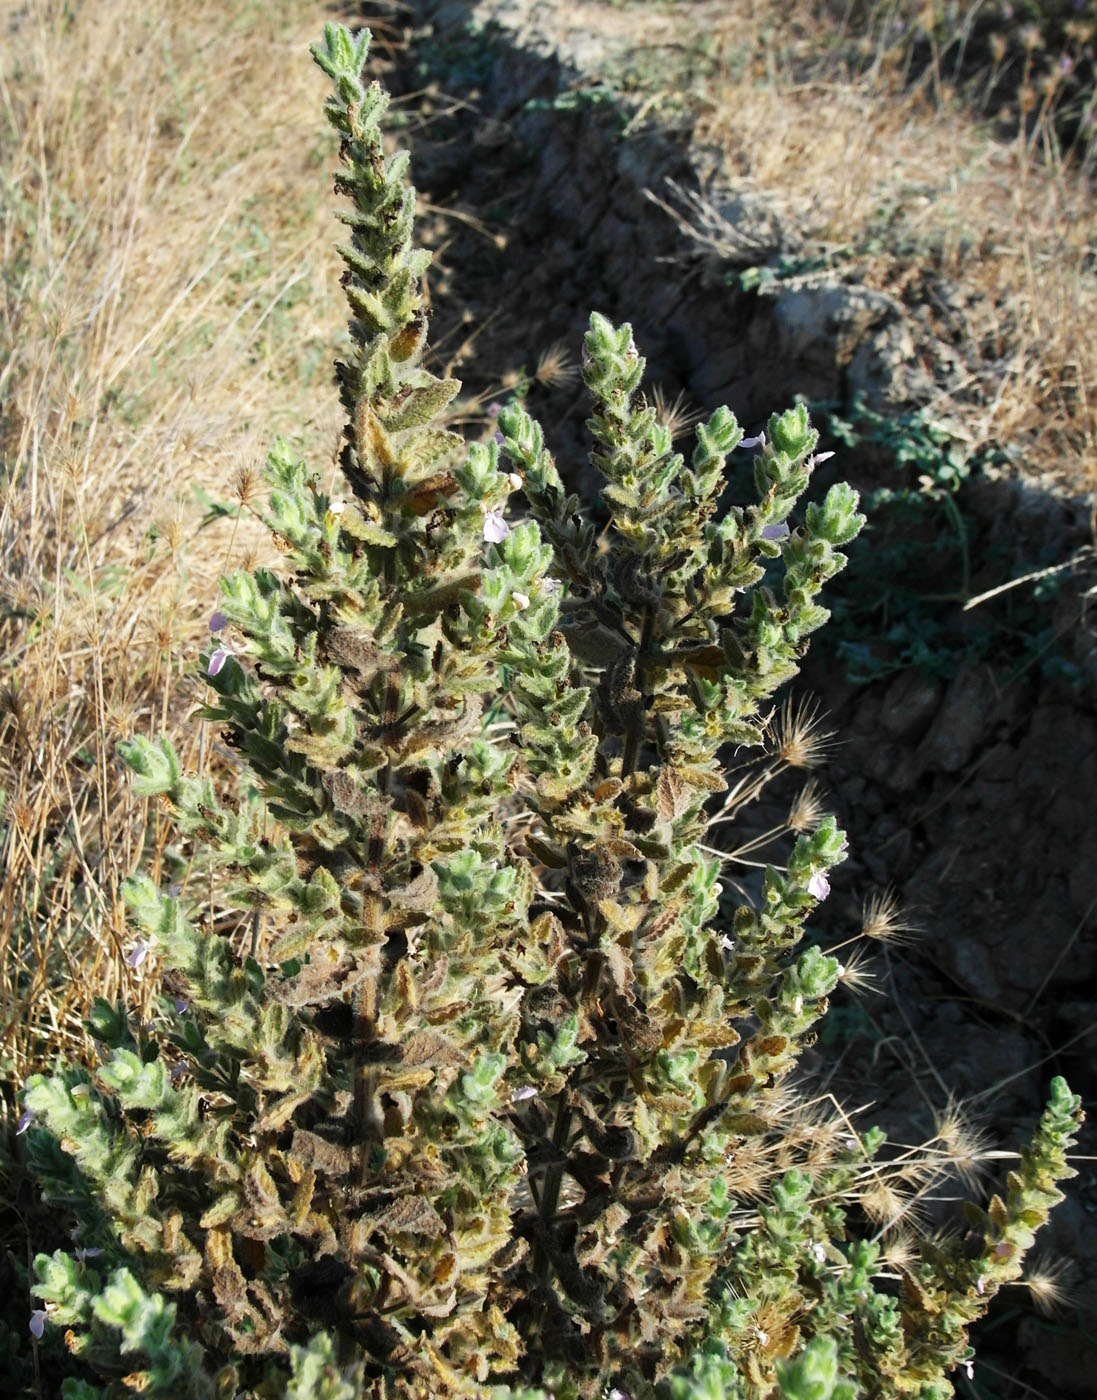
column 488, row 1104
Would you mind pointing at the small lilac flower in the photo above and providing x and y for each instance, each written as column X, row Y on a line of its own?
column 819, row 885
column 775, row 532
column 527, row 1091
column 217, row 660
column 218, row 621
column 26, row 1118
column 759, row 441
column 817, row 457
column 178, row 1069
column 551, row 585
column 37, row 1323
column 493, row 410
column 180, row 1004
column 496, row 528
column 980, row 1285
column 616, row 1394
column 1066, row 64
column 499, row 438
column 137, row 954
column 83, row 1255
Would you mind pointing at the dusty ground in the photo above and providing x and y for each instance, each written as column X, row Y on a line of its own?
column 969, row 792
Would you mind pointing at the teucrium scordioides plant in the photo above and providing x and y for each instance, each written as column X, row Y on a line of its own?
column 468, row 1113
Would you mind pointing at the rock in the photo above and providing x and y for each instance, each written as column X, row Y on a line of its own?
column 910, row 703
column 962, row 722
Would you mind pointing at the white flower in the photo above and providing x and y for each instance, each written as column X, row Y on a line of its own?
column 496, row 528
column 140, row 950
column 819, row 885
column 527, row 1091
column 337, row 507
column 520, row 601
column 515, row 481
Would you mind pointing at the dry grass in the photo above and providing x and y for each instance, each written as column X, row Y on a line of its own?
column 904, row 181
column 168, row 298
column 906, row 187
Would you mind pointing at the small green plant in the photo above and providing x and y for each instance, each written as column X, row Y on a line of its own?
column 902, row 603
column 458, row 1089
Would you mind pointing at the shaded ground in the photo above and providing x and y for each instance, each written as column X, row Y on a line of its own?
column 966, row 785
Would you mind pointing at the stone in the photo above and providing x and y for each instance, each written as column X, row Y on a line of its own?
column 911, row 701
column 962, row 722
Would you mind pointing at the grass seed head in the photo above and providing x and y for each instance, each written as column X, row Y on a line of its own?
column 799, row 738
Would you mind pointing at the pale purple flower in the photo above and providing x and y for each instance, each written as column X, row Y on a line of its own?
column 819, row 885
column 775, row 532
column 37, row 1323
column 759, row 441
column 137, row 954
column 1066, row 64
column 527, row 1091
column 178, row 1069
column 493, row 410
column 817, row 457
column 217, row 660
column 218, row 621
column 551, row 585
column 496, row 528
column 499, row 438
column 180, row 1004
column 26, row 1118
column 83, row 1255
